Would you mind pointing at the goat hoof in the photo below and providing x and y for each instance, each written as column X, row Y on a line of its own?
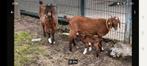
column 54, row 42
column 70, row 50
column 49, row 40
column 90, row 48
column 85, row 51
column 102, row 48
column 97, row 55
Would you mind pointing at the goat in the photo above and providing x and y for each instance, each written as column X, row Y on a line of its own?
column 87, row 25
column 48, row 21
column 90, row 41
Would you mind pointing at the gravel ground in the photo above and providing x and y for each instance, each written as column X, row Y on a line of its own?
column 58, row 54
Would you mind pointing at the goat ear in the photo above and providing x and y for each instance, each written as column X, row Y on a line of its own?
column 118, row 21
column 119, row 24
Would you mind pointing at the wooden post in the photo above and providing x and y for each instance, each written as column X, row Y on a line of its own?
column 16, row 9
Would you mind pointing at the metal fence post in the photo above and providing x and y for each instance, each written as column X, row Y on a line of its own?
column 82, row 7
column 128, row 24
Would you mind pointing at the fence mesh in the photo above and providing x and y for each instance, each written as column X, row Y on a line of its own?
column 92, row 8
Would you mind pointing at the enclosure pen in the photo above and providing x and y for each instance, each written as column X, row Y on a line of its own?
column 32, row 48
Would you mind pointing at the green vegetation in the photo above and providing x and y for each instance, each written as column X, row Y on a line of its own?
column 26, row 52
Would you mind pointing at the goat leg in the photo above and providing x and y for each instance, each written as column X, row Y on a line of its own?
column 100, row 46
column 53, row 39
column 97, row 53
column 97, row 49
column 90, row 46
column 49, row 38
column 100, row 43
column 74, row 44
column 44, row 34
column 70, row 47
column 70, row 44
column 86, row 47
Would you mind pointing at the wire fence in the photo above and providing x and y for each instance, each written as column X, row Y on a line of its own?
column 90, row 8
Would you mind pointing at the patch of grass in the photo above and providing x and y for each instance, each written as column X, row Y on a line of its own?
column 25, row 52
column 22, row 38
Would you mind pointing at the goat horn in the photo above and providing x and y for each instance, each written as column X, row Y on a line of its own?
column 107, row 24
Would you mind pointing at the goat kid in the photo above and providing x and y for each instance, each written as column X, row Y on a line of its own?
column 48, row 22
column 90, row 41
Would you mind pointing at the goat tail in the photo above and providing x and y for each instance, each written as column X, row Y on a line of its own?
column 40, row 2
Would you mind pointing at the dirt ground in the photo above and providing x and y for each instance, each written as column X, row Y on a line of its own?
column 58, row 54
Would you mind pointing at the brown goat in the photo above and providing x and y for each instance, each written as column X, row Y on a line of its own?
column 87, row 25
column 90, row 41
column 48, row 20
